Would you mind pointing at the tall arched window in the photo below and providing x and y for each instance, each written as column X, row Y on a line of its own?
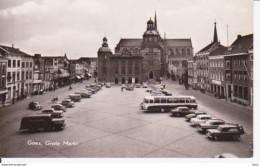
column 172, row 51
column 183, row 51
column 123, row 67
column 188, row 51
column 129, row 67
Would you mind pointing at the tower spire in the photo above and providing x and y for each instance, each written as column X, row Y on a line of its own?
column 155, row 22
column 215, row 39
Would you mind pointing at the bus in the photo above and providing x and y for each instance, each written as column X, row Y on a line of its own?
column 166, row 103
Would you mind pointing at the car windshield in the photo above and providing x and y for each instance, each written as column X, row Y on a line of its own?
column 36, row 103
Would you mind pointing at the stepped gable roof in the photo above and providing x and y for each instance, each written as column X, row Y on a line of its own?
column 242, row 44
column 221, row 50
column 179, row 42
column 12, row 50
column 134, row 42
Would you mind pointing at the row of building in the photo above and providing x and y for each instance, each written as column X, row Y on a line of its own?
column 225, row 72
column 22, row 74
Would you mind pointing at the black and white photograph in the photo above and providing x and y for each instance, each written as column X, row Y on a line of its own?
column 127, row 79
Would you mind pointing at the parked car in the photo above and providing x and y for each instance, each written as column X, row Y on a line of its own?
column 225, row 155
column 93, row 91
column 88, row 86
column 148, row 90
column 43, row 121
column 157, row 93
column 189, row 116
column 83, row 94
column 58, row 107
column 108, row 85
column 181, row 111
column 54, row 113
column 67, row 103
column 166, row 93
column 129, row 87
column 35, row 105
column 41, row 91
column 210, row 124
column 145, row 85
column 199, row 119
column 75, row 97
column 93, row 84
column 226, row 131
column 138, row 85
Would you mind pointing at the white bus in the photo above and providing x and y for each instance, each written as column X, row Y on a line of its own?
column 166, row 103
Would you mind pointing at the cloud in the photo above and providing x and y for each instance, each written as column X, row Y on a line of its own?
column 78, row 26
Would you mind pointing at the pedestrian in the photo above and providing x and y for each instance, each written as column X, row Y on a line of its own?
column 122, row 89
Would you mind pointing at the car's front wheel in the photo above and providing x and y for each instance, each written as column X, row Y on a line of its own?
column 216, row 138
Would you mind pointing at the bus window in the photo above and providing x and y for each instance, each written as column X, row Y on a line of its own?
column 192, row 100
column 156, row 100
column 146, row 101
column 187, row 100
column 169, row 100
column 182, row 100
column 163, row 100
column 151, row 101
column 176, row 100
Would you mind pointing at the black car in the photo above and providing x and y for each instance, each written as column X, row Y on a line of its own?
column 35, row 105
column 41, row 122
column 226, row 131
column 181, row 111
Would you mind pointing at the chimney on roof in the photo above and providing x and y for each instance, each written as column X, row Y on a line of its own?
column 238, row 36
column 37, row 55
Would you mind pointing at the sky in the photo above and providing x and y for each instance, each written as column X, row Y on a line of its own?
column 76, row 27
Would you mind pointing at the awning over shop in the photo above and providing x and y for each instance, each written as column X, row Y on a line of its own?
column 78, row 77
column 3, row 92
column 63, row 73
column 37, row 82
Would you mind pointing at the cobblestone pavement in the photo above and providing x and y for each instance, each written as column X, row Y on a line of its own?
column 110, row 124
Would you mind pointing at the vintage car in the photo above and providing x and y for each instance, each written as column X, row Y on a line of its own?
column 35, row 105
column 226, row 131
column 108, row 85
column 148, row 90
column 129, row 87
column 138, row 85
column 199, row 119
column 157, row 93
column 54, row 113
column 75, row 97
column 225, row 155
column 58, row 107
column 67, row 103
column 43, row 122
column 145, row 85
column 41, row 91
column 210, row 124
column 83, row 93
column 166, row 93
column 189, row 116
column 181, row 111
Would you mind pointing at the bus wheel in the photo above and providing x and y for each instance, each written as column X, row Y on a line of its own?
column 162, row 110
